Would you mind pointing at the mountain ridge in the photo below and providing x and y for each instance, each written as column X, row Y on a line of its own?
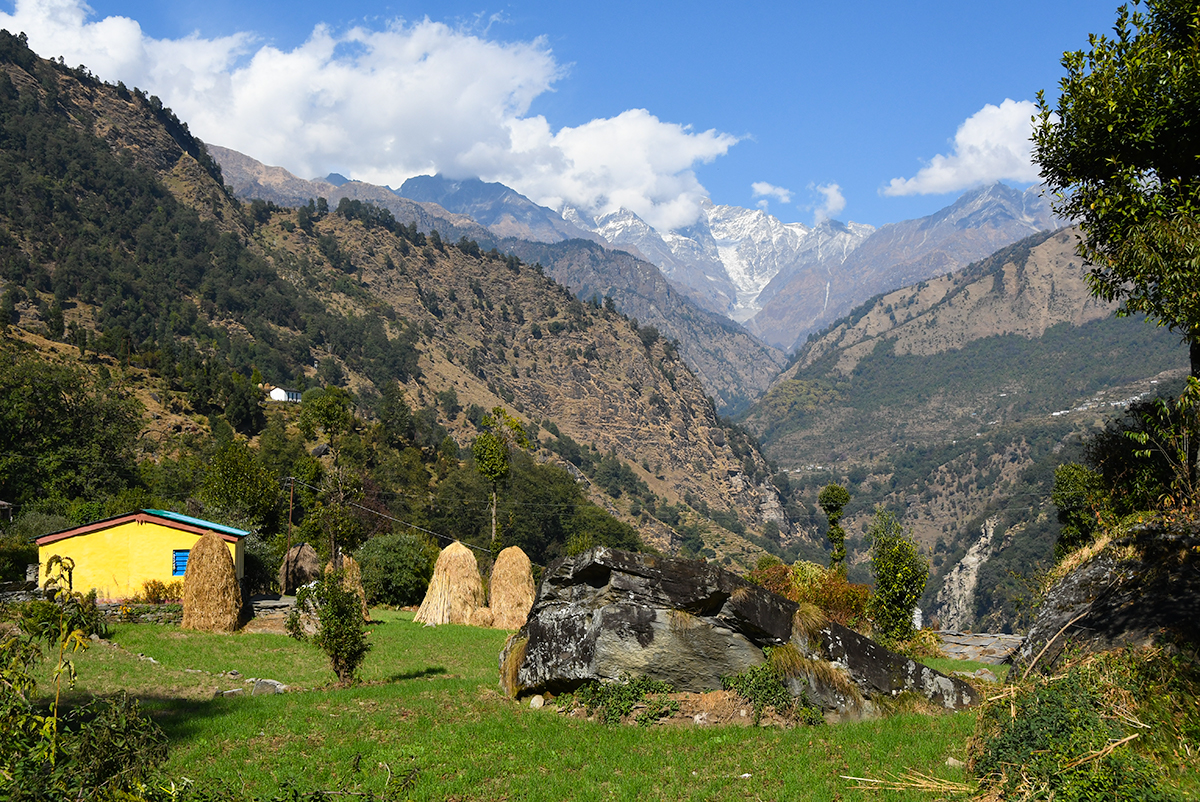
column 733, row 365
column 898, row 254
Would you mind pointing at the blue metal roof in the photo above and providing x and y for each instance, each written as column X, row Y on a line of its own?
column 187, row 519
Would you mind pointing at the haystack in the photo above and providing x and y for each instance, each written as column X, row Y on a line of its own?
column 352, row 581
column 481, row 617
column 212, row 598
column 512, row 589
column 455, row 591
column 300, row 566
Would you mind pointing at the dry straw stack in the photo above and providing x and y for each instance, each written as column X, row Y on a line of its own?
column 456, row 590
column 352, row 581
column 212, row 598
column 300, row 566
column 512, row 589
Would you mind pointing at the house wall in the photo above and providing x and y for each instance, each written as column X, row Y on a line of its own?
column 117, row 560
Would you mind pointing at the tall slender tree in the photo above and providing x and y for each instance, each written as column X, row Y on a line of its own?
column 493, row 447
column 833, row 500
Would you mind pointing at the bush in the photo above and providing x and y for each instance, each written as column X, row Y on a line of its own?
column 261, row 566
column 341, row 630
column 156, row 592
column 396, row 568
column 765, row 685
column 615, row 700
column 900, row 575
column 15, row 554
column 808, row 583
column 1094, row 731
column 106, row 746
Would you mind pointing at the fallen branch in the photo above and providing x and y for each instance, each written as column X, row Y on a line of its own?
column 1047, row 646
column 1099, row 753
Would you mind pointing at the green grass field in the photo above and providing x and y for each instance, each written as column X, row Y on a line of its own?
column 429, row 709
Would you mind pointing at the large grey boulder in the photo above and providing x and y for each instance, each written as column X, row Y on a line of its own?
column 1140, row 590
column 607, row 613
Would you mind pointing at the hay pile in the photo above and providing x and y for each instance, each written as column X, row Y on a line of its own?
column 512, row 589
column 300, row 566
column 456, row 590
column 352, row 581
column 212, row 598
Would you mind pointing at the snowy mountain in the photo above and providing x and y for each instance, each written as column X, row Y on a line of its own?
column 980, row 222
column 728, row 257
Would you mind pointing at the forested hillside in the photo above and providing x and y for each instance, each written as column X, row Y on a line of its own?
column 133, row 281
column 733, row 366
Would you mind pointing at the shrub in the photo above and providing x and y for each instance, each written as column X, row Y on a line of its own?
column 104, row 747
column 396, row 568
column 15, row 554
column 341, row 631
column 900, row 576
column 809, row 583
column 1093, row 731
column 1082, row 502
column 154, row 591
column 68, row 612
column 765, row 685
column 615, row 700
column 842, row 600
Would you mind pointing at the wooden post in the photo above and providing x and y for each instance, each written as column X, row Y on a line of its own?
column 291, row 500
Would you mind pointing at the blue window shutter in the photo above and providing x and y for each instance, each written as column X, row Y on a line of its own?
column 179, row 566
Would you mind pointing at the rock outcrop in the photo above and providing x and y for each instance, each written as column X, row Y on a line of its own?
column 607, row 613
column 1138, row 591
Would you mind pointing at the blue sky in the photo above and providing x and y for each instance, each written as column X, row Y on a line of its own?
column 869, row 111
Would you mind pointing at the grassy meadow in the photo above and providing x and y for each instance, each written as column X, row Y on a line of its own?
column 429, row 714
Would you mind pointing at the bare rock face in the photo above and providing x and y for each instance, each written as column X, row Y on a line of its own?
column 608, row 613
column 1139, row 591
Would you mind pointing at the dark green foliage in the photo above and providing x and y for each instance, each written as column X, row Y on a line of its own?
column 261, row 565
column 396, row 568
column 1056, row 736
column 61, row 432
column 1081, row 502
column 1143, row 457
column 1118, row 150
column 341, row 630
column 244, row 409
column 614, row 701
column 833, row 500
column 107, row 744
column 239, row 488
column 540, row 509
column 395, row 415
column 616, row 477
column 15, row 554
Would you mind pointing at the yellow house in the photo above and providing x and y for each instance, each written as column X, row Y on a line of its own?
column 116, row 555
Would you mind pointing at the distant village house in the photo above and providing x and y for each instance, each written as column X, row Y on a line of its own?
column 280, row 394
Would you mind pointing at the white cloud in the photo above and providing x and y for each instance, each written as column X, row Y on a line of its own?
column 385, row 105
column 991, row 145
column 762, row 189
column 832, row 202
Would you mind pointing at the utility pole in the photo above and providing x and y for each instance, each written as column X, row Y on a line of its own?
column 291, row 500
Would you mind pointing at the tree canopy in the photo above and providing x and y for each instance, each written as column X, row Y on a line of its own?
column 1121, row 150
